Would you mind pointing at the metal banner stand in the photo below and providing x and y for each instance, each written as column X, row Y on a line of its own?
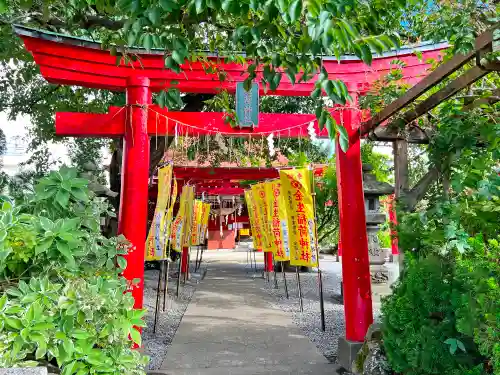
column 196, row 261
column 301, row 304
column 165, row 283
column 201, row 255
column 275, row 278
column 158, row 293
column 320, row 278
column 186, row 274
column 179, row 276
column 284, row 279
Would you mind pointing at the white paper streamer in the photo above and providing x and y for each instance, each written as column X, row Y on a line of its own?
column 312, row 132
column 270, row 143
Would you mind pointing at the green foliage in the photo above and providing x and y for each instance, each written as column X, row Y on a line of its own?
column 479, row 315
column 327, row 205
column 420, row 322
column 453, row 271
column 379, row 162
column 384, row 238
column 63, row 300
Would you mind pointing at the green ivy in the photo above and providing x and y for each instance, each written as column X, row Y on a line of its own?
column 64, row 302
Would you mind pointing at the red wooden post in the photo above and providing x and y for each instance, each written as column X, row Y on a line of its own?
column 268, row 257
column 339, row 248
column 134, row 190
column 355, row 262
column 185, row 259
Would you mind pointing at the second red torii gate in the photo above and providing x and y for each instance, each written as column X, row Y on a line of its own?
column 73, row 61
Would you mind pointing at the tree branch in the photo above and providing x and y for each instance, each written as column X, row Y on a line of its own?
column 410, row 198
column 327, row 233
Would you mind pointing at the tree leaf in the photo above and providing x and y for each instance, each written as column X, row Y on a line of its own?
column 62, row 197
column 3, row 6
column 122, row 262
column 178, row 57
column 64, row 249
column 343, row 138
column 3, row 301
column 330, row 126
column 167, row 5
column 295, row 10
column 148, row 41
column 200, row 6
column 41, row 350
column 43, row 246
column 46, row 223
column 154, row 15
column 135, row 335
column 13, row 322
column 461, row 346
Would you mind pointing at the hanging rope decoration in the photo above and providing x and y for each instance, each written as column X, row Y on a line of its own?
column 270, row 144
column 182, row 124
column 312, row 132
column 220, row 142
column 176, row 137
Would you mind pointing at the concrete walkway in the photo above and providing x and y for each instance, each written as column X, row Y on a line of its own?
column 229, row 328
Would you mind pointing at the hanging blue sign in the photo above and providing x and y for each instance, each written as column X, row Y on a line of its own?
column 247, row 105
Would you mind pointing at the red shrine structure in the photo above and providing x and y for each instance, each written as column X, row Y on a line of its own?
column 72, row 61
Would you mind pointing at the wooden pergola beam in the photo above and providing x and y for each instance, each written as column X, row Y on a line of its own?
column 468, row 78
column 483, row 42
column 412, row 134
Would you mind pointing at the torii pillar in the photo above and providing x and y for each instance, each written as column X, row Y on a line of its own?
column 133, row 213
column 356, row 280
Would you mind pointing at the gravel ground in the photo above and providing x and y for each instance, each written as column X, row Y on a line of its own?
column 310, row 320
column 156, row 345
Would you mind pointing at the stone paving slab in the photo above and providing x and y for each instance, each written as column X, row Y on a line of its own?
column 230, row 328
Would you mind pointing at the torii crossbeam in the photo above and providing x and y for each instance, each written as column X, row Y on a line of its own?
column 73, row 61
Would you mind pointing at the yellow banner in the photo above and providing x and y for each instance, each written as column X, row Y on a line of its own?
column 189, row 217
column 254, row 220
column 296, row 189
column 204, row 223
column 157, row 235
column 277, row 218
column 170, row 211
column 259, row 195
column 196, row 222
column 244, row 232
column 177, row 231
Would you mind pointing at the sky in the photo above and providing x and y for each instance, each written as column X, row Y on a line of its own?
column 16, row 133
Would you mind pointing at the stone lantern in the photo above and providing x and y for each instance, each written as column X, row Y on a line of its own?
column 373, row 190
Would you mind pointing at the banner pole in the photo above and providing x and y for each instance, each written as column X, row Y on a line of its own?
column 275, row 278
column 158, row 294
column 284, row 279
column 196, row 261
column 299, row 288
column 165, row 284
column 320, row 278
column 179, row 276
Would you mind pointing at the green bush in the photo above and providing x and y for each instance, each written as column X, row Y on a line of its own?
column 419, row 322
column 64, row 302
column 444, row 314
column 478, row 315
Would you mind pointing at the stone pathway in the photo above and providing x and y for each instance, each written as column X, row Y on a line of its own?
column 230, row 328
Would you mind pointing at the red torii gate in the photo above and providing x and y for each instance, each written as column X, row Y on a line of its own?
column 74, row 61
